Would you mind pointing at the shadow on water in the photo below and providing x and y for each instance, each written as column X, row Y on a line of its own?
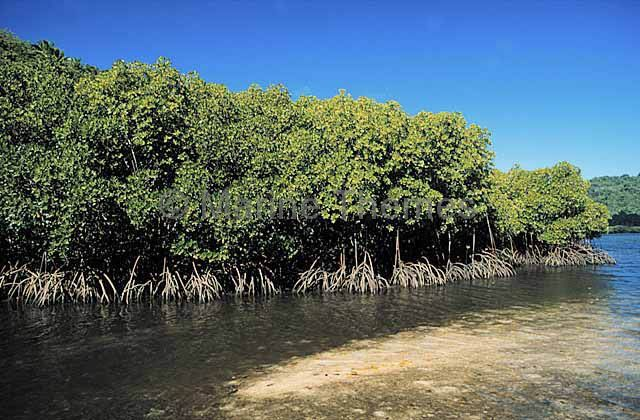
column 119, row 362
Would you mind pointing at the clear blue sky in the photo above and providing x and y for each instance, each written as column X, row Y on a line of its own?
column 551, row 80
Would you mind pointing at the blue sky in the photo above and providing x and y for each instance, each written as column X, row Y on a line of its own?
column 551, row 80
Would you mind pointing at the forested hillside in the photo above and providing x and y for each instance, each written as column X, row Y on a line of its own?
column 621, row 194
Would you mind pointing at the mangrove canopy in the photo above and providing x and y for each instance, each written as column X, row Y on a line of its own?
column 101, row 170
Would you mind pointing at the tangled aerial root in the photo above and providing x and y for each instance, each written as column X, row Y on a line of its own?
column 576, row 255
column 362, row 278
column 486, row 264
column 45, row 287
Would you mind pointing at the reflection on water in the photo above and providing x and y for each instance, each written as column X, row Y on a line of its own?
column 115, row 362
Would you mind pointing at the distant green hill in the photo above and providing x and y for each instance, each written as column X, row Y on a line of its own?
column 621, row 194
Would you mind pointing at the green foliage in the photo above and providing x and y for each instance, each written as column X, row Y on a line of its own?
column 444, row 158
column 621, row 195
column 550, row 205
column 46, row 187
column 88, row 161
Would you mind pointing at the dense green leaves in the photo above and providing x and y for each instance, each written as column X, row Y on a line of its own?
column 47, row 191
column 91, row 163
column 550, row 205
column 621, row 194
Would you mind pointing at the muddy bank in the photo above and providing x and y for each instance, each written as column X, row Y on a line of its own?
column 509, row 363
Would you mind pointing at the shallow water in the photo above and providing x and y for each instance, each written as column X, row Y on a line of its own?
column 176, row 361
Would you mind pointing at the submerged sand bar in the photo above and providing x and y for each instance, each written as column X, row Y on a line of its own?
column 509, row 363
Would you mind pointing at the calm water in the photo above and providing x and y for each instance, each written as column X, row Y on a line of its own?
column 115, row 362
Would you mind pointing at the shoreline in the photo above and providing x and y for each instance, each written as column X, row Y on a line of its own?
column 21, row 285
column 613, row 230
column 509, row 364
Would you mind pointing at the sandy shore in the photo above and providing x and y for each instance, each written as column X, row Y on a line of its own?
column 505, row 364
